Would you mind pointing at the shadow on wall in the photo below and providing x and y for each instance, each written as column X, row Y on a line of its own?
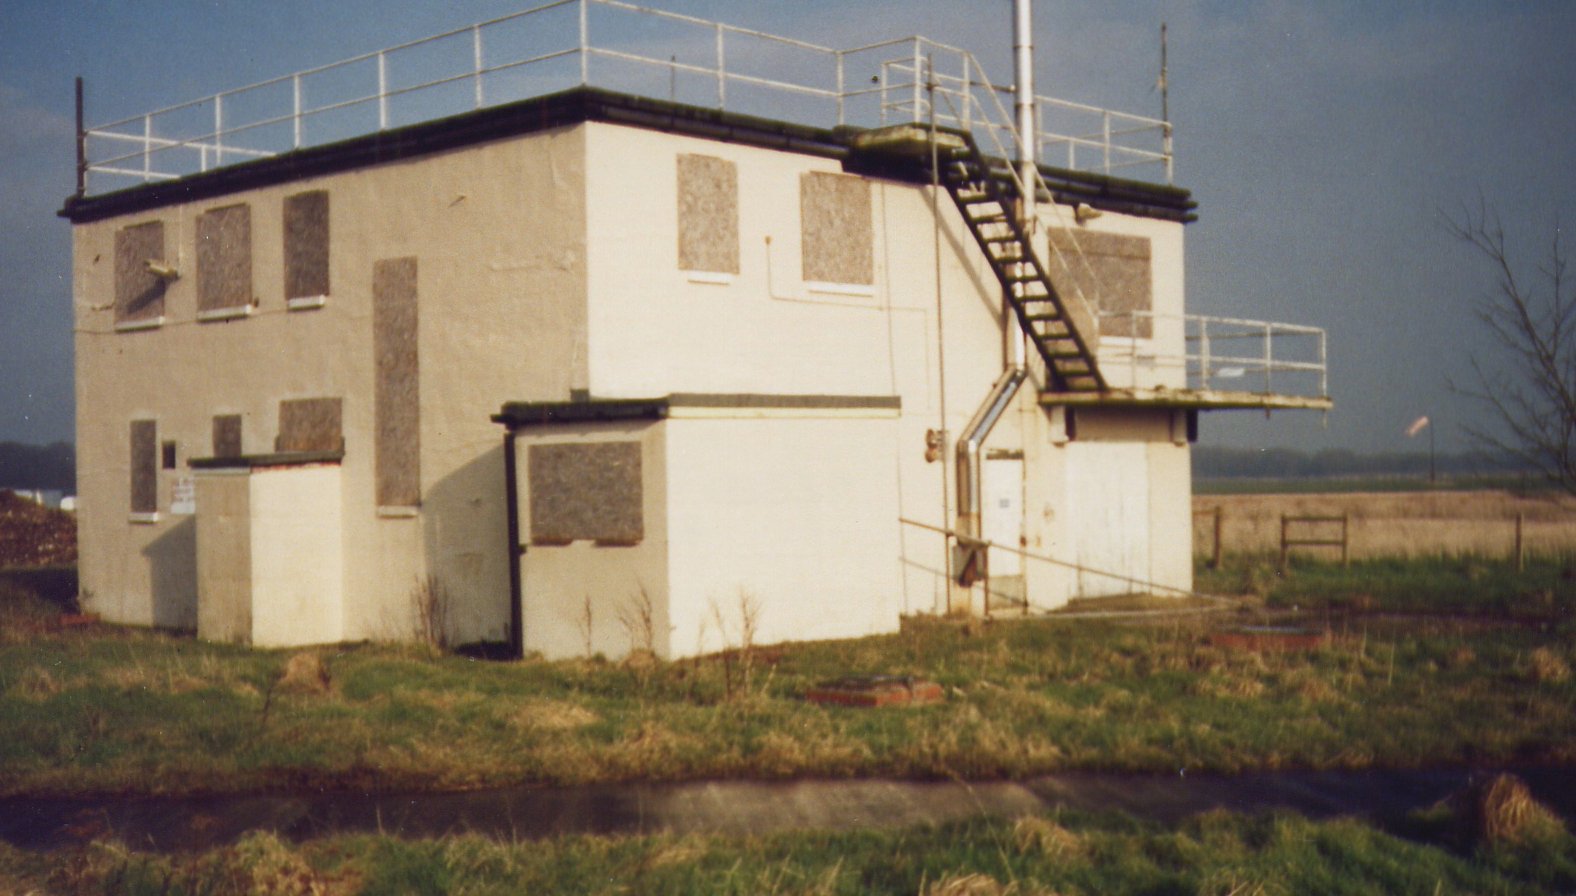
column 172, row 573
column 465, row 527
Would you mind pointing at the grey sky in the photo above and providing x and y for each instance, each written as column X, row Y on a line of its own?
column 1321, row 140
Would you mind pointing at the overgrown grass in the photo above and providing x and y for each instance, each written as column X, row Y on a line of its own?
column 120, row 710
column 1216, row 853
column 1544, row 591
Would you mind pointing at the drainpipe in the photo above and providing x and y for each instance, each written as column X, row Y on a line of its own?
column 972, row 566
column 511, row 494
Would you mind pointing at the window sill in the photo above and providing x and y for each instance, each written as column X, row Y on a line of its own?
column 131, row 326
column 216, row 314
column 862, row 290
column 398, row 513
column 305, row 303
column 715, row 278
column 144, row 518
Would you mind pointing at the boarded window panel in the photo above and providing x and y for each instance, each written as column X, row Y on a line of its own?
column 397, row 384
column 224, row 258
column 310, row 424
column 144, row 466
column 139, row 295
column 586, row 491
column 306, row 245
column 837, row 240
column 1117, row 278
column 708, row 214
column 227, row 435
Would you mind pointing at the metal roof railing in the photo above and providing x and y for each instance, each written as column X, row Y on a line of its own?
column 1225, row 354
column 603, row 43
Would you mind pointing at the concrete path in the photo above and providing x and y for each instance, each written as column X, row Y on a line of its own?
column 733, row 807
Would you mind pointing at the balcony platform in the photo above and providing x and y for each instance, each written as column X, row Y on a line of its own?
column 1188, row 399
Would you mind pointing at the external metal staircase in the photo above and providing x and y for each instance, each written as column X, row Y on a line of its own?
column 986, row 195
column 988, row 200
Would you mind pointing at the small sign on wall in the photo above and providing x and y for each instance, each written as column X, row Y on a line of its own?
column 183, row 497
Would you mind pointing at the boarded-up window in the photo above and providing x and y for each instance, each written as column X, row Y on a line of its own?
column 227, row 435
column 144, row 466
column 1114, row 275
column 306, row 245
column 396, row 387
column 310, row 424
column 708, row 214
column 139, row 293
column 167, row 455
column 224, row 259
column 586, row 491
column 834, row 215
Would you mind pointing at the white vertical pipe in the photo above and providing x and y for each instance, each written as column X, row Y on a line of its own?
column 218, row 129
column 383, row 92
column 1023, row 104
column 476, row 60
column 585, row 44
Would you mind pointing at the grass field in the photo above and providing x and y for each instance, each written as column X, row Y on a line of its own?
column 106, row 709
column 1395, row 524
column 1067, row 852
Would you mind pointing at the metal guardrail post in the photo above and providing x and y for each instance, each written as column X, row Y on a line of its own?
column 918, row 117
column 1105, row 140
column 1269, row 358
column 218, row 130
column 476, row 61
column 147, row 148
column 722, row 76
column 841, row 89
column 585, row 44
column 295, row 116
column 383, row 92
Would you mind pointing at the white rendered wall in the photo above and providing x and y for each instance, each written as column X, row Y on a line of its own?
column 563, row 585
column 789, row 520
column 297, row 549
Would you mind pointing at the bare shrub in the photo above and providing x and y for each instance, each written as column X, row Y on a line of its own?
column 738, row 644
column 585, row 622
column 638, row 616
column 431, row 603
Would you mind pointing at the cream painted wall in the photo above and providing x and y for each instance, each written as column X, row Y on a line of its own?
column 298, row 570
column 224, row 556
column 558, row 583
column 498, row 232
column 790, row 521
column 548, row 264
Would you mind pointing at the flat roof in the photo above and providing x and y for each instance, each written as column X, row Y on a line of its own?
column 520, row 414
column 576, row 106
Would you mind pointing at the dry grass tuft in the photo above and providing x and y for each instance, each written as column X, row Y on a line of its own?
column 1544, row 666
column 305, row 673
column 978, row 885
column 1033, row 834
column 552, row 715
column 36, row 683
column 1502, row 810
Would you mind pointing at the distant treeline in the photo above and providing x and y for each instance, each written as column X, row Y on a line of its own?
column 1289, row 463
column 39, row 466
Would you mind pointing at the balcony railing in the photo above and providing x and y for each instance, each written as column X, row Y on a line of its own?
column 613, row 45
column 1220, row 354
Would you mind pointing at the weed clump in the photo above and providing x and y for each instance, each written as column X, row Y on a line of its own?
column 1544, row 666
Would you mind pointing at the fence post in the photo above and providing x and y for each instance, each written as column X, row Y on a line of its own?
column 1215, row 561
column 1521, row 555
column 1283, row 545
column 1345, row 540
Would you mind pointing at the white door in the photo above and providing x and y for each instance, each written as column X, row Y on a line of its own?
column 1108, row 515
column 1001, row 506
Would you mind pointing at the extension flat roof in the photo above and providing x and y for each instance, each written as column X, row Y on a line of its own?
column 1187, row 399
